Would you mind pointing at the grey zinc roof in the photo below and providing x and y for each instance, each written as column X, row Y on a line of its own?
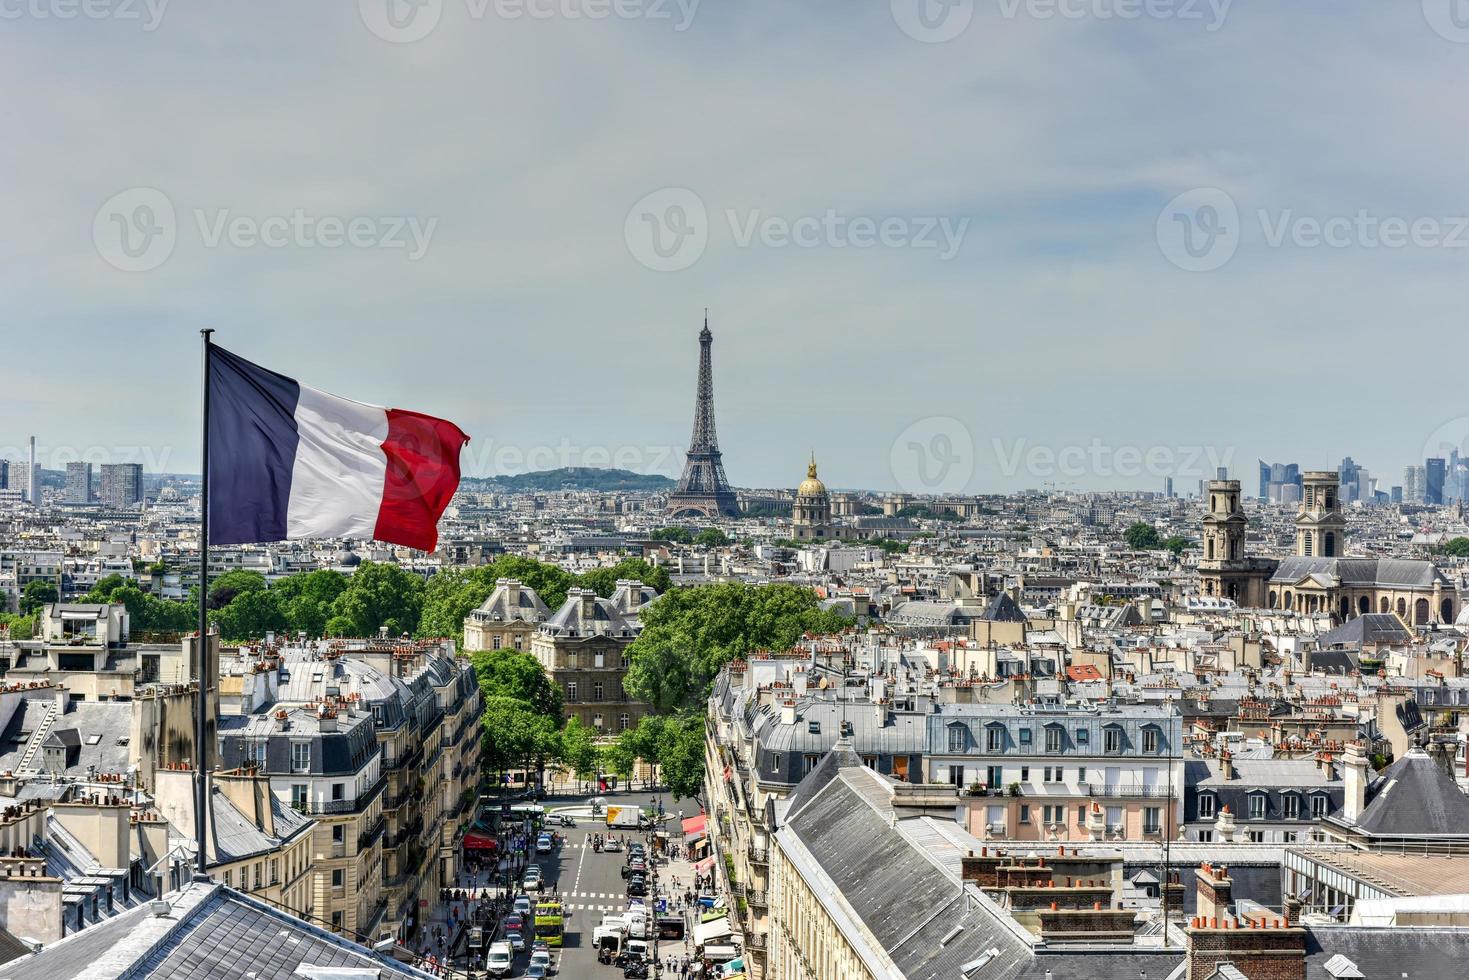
column 1368, row 628
column 213, row 932
column 1363, row 572
column 237, row 837
column 108, row 720
column 1389, row 952
column 527, row 608
column 1413, row 797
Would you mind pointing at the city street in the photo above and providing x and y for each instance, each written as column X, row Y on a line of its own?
column 590, row 885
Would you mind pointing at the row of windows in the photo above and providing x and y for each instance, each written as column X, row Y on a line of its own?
column 1058, row 814
column 599, row 691
column 1290, row 806
column 997, row 738
column 624, row 721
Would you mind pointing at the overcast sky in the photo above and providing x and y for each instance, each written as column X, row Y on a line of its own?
column 944, row 248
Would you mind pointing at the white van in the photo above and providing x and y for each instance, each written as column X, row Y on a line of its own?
column 501, row 959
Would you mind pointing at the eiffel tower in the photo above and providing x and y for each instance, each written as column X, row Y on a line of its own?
column 703, row 489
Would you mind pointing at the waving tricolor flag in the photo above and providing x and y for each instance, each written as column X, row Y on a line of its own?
column 290, row 461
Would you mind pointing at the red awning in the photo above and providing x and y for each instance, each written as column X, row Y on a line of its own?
column 479, row 842
column 704, row 865
column 695, row 825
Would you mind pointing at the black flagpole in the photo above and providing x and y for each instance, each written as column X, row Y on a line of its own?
column 201, row 647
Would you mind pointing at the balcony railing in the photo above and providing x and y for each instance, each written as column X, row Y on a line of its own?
column 342, row 806
column 370, row 836
column 757, row 899
column 1125, row 790
column 759, row 853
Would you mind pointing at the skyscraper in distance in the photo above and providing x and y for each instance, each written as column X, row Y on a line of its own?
column 78, row 483
column 122, row 485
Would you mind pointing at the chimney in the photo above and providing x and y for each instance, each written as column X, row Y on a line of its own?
column 798, row 681
column 1267, row 949
column 1292, row 910
column 1224, row 825
column 512, row 591
column 788, row 713
column 588, row 600
column 1096, row 822
column 1215, row 891
column 1356, row 775
column 1226, row 761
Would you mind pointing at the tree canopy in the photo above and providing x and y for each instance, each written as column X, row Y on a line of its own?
column 517, row 675
column 689, row 634
column 36, row 594
column 1143, row 536
column 1457, row 548
column 377, row 595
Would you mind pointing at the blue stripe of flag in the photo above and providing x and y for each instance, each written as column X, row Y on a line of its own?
column 252, row 449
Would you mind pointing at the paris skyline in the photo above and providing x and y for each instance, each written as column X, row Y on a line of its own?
column 522, row 302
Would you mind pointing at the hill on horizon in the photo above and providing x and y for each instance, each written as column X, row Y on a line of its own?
column 579, row 478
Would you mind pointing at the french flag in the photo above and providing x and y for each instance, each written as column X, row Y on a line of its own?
column 290, row 461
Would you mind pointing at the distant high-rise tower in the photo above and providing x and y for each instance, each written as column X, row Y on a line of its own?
column 33, row 476
column 122, row 485
column 78, row 483
column 703, row 489
column 1433, row 471
column 1320, row 526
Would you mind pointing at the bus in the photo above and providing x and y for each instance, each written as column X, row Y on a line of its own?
column 550, row 925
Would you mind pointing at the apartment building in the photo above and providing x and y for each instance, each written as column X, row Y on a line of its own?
column 378, row 742
column 583, row 647
column 1109, row 771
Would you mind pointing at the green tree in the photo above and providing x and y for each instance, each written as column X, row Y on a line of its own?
column 517, row 675
column 1177, row 544
column 690, row 633
column 711, row 537
column 677, row 535
column 1142, row 536
column 452, row 594
column 620, row 757
column 21, row 627
column 681, row 755
column 306, row 600
column 378, row 595
column 603, row 581
column 578, row 748
column 223, row 590
column 106, row 585
column 250, row 615
column 1457, row 548
column 512, row 733
column 36, row 594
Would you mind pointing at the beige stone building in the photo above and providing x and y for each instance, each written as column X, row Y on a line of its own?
column 583, row 648
column 507, row 620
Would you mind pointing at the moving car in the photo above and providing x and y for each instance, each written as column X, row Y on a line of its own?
column 542, row 958
column 500, row 960
column 513, row 923
column 516, row 941
column 612, row 844
column 545, row 844
column 537, row 971
column 522, row 905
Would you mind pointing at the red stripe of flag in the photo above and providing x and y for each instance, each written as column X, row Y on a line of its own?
column 423, row 473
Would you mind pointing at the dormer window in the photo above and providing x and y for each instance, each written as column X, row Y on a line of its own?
column 958, row 738
column 1025, row 736
column 1112, row 739
column 1150, row 740
column 1054, row 739
column 994, row 738
column 1206, row 806
column 1257, row 806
